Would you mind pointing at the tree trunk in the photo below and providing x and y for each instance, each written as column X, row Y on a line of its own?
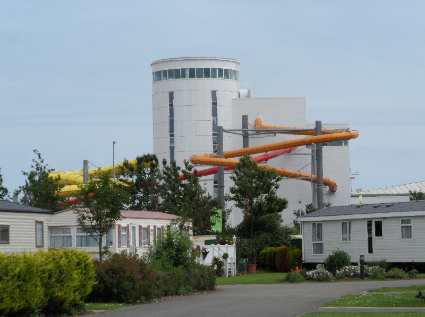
column 100, row 247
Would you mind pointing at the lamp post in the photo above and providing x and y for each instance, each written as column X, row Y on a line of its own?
column 113, row 159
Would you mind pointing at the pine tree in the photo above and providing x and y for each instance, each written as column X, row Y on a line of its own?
column 143, row 180
column 255, row 192
column 40, row 190
column 3, row 189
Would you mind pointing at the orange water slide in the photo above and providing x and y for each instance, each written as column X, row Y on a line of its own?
column 327, row 136
column 260, row 125
column 210, row 160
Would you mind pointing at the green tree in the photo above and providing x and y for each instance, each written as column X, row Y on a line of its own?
column 40, row 190
column 3, row 189
column 182, row 194
column 102, row 200
column 416, row 195
column 255, row 192
column 143, row 180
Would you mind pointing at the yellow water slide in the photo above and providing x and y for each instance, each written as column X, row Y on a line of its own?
column 73, row 179
column 327, row 136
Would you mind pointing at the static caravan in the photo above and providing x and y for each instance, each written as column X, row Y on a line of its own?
column 28, row 229
column 22, row 228
column 393, row 232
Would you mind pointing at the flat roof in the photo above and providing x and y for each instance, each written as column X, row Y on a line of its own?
column 10, row 206
column 194, row 58
column 368, row 209
column 146, row 214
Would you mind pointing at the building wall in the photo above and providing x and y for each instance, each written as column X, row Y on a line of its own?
column 22, row 231
column 390, row 247
column 192, row 107
column 378, row 199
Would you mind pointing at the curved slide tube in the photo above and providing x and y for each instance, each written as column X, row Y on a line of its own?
column 260, row 125
column 260, row 158
column 329, row 136
column 206, row 160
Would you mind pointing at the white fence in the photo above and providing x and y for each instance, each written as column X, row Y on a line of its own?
column 209, row 252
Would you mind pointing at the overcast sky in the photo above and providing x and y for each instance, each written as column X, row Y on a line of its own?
column 75, row 75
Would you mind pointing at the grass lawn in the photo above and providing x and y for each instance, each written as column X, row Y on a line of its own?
column 103, row 306
column 364, row 315
column 383, row 297
column 257, row 278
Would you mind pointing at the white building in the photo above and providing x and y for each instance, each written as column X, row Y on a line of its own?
column 394, row 232
column 192, row 96
column 28, row 229
column 387, row 194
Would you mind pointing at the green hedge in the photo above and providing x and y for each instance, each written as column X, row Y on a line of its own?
column 280, row 259
column 53, row 281
column 129, row 279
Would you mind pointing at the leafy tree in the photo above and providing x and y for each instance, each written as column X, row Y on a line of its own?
column 40, row 190
column 102, row 200
column 3, row 190
column 183, row 195
column 255, row 192
column 143, row 180
column 415, row 195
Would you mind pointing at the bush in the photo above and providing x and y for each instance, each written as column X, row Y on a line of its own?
column 337, row 261
column 319, row 274
column 218, row 266
column 396, row 273
column 129, row 279
column 280, row 259
column 124, row 279
column 350, row 271
column 173, row 250
column 294, row 277
column 375, row 272
column 54, row 281
column 267, row 258
column 413, row 273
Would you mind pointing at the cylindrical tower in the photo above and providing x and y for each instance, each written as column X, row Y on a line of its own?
column 191, row 96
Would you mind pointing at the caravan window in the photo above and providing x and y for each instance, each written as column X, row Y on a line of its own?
column 317, row 238
column 4, row 234
column 39, row 234
column 346, row 231
column 378, row 228
column 60, row 237
column 406, row 228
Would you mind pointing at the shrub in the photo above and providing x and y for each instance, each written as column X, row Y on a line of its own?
column 268, row 258
column 295, row 257
column 218, row 266
column 350, row 271
column 319, row 274
column 413, row 273
column 294, row 277
column 123, row 279
column 53, row 281
column 129, row 279
column 173, row 250
column 282, row 259
column 375, row 272
column 337, row 261
column 21, row 289
column 396, row 273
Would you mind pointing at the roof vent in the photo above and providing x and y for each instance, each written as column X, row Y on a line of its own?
column 389, row 205
column 376, row 206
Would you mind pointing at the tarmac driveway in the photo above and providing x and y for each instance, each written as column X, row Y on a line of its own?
column 254, row 300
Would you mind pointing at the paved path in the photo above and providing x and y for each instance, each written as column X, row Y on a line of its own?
column 285, row 300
